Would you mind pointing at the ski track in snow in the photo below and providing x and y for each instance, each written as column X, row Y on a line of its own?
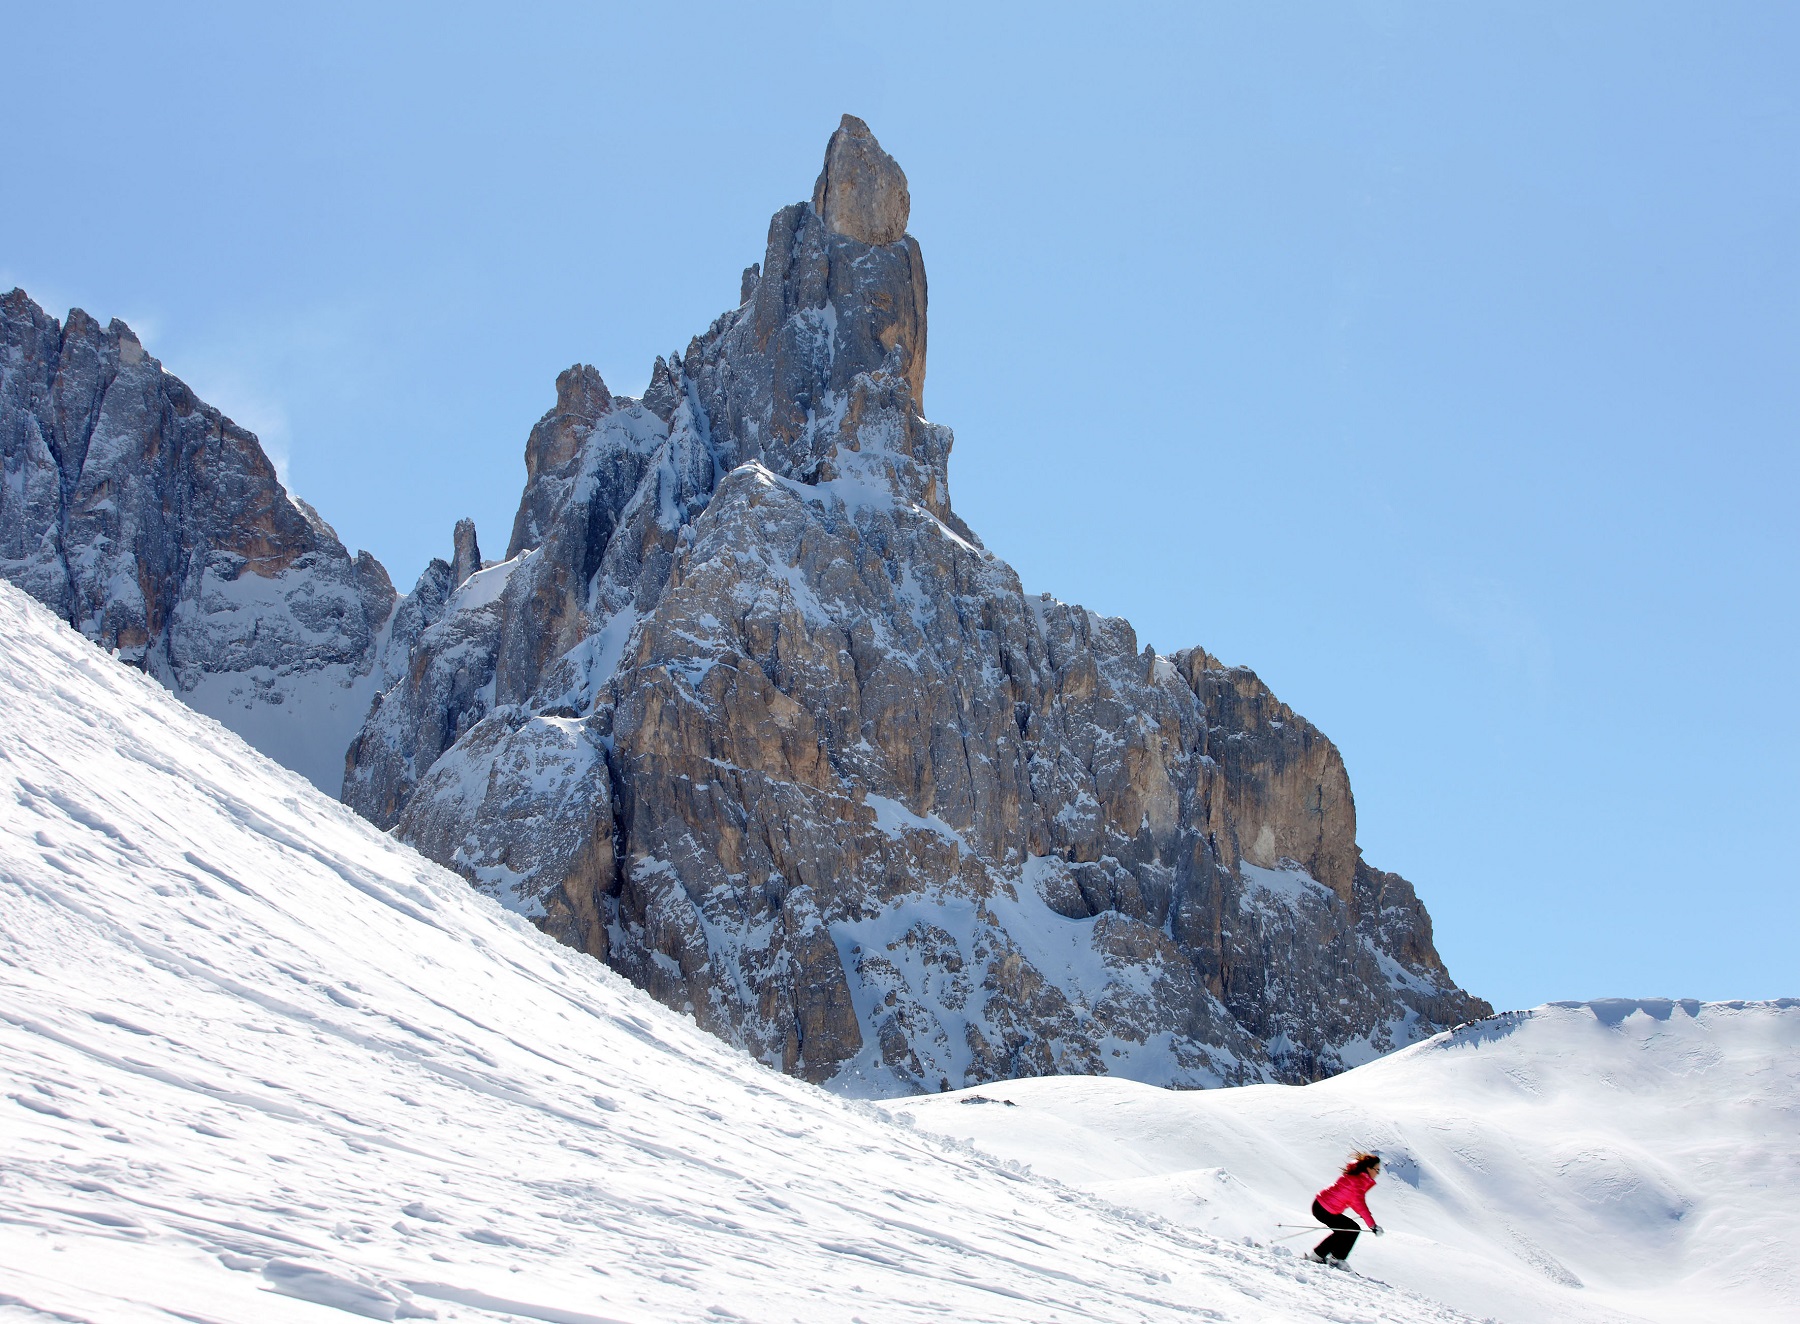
column 260, row 1062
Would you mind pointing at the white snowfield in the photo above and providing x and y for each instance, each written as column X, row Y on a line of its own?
column 1607, row 1161
column 261, row 1063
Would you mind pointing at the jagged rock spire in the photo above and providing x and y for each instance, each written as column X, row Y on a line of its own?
column 762, row 725
column 861, row 191
column 582, row 400
column 466, row 560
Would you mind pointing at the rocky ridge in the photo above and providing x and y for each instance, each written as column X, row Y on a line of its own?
column 748, row 713
column 158, row 528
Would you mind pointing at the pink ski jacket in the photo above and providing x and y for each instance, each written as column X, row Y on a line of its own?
column 1347, row 1193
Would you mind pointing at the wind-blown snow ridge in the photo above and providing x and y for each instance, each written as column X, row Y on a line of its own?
column 260, row 1062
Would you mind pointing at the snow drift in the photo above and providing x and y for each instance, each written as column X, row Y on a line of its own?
column 260, row 1062
column 1606, row 1161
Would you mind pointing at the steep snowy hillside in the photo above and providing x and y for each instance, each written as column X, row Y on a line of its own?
column 1598, row 1162
column 261, row 1063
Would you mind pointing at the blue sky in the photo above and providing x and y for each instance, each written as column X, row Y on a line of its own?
column 1442, row 363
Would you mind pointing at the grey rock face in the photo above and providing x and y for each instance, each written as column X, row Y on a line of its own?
column 751, row 715
column 861, row 193
column 157, row 527
column 466, row 559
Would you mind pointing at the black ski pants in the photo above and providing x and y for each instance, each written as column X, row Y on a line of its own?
column 1339, row 1244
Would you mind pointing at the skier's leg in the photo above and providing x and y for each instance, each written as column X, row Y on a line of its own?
column 1340, row 1242
column 1338, row 1245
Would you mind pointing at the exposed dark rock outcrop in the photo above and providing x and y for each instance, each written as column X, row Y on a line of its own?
column 750, row 714
column 747, row 711
column 157, row 527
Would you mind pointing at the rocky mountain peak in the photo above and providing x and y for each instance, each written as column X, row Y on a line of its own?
column 759, row 721
column 131, row 349
column 582, row 400
column 762, row 725
column 158, row 528
column 835, row 311
column 466, row 559
column 580, row 392
column 861, row 191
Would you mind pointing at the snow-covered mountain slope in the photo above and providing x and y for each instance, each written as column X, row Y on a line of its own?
column 260, row 1062
column 157, row 527
column 1606, row 1161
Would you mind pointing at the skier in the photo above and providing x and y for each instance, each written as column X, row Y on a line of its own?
column 1346, row 1192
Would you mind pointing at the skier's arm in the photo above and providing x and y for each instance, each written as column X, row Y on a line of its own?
column 1362, row 1207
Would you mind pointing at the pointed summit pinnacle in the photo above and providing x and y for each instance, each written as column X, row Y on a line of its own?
column 467, row 558
column 861, row 192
